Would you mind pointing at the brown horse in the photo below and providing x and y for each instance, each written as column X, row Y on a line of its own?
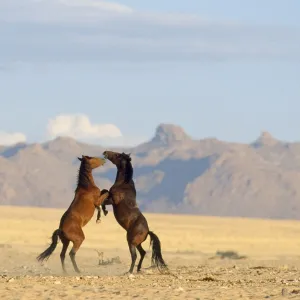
column 79, row 213
column 122, row 196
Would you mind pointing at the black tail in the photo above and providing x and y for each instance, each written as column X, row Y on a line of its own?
column 156, row 259
column 46, row 254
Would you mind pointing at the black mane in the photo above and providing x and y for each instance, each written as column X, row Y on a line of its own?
column 128, row 172
column 125, row 173
column 83, row 179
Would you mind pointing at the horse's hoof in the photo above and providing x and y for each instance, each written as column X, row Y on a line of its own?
column 130, row 275
column 98, row 221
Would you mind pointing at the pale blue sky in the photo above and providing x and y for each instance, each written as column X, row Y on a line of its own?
column 226, row 69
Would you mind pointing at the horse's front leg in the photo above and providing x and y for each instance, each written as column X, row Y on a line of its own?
column 105, row 211
column 104, row 194
column 107, row 201
column 98, row 202
column 98, row 214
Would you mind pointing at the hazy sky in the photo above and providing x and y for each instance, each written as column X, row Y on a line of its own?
column 109, row 72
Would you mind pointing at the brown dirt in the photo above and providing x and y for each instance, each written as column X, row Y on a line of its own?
column 269, row 271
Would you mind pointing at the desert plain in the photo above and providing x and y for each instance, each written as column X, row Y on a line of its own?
column 266, row 264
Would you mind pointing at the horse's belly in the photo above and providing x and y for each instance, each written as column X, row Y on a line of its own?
column 125, row 217
column 86, row 221
column 86, row 216
column 122, row 220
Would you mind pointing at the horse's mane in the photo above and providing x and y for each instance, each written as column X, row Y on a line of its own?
column 83, row 179
column 128, row 172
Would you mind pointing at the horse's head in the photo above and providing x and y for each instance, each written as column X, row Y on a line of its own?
column 93, row 162
column 120, row 160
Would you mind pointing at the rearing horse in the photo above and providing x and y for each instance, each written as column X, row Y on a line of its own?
column 87, row 198
column 122, row 196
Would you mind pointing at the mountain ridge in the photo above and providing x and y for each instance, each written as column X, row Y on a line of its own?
column 174, row 173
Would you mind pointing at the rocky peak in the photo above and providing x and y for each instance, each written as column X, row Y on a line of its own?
column 61, row 142
column 169, row 133
column 265, row 139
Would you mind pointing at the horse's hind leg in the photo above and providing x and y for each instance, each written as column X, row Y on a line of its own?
column 133, row 257
column 77, row 241
column 65, row 243
column 142, row 253
column 135, row 236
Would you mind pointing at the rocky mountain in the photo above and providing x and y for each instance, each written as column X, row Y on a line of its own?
column 173, row 173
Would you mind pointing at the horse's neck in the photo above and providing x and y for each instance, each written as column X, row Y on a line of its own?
column 120, row 177
column 120, row 180
column 91, row 179
column 86, row 180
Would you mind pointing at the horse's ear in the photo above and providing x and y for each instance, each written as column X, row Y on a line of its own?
column 129, row 154
column 79, row 158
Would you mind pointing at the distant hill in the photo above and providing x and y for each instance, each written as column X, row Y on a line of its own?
column 173, row 174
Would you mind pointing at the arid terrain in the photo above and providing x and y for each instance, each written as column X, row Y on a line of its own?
column 268, row 266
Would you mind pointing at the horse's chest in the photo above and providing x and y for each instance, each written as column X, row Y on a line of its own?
column 118, row 197
column 123, row 197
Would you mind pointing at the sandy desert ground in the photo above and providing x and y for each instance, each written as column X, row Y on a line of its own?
column 271, row 269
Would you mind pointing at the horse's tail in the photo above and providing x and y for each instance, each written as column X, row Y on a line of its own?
column 46, row 254
column 157, row 259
